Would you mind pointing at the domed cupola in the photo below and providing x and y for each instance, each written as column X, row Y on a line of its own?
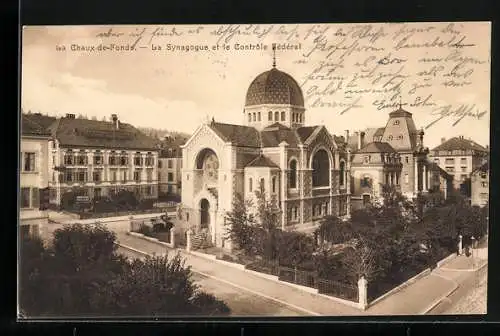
column 274, row 87
column 274, row 96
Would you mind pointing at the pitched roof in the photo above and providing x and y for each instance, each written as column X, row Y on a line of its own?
column 31, row 127
column 275, row 134
column 484, row 168
column 379, row 132
column 377, row 147
column 262, row 161
column 238, row 135
column 171, row 147
column 72, row 132
column 435, row 166
column 459, row 143
column 305, row 132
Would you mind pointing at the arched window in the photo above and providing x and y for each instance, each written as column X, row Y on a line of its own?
column 250, row 185
column 293, row 174
column 262, row 185
column 276, row 116
column 300, row 117
column 321, row 169
column 274, row 184
column 270, row 116
column 254, row 117
column 258, row 116
column 282, row 116
column 294, row 117
column 249, row 117
column 342, row 173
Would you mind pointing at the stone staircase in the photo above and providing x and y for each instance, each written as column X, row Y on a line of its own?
column 200, row 240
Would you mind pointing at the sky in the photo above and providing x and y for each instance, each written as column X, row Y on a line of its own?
column 370, row 68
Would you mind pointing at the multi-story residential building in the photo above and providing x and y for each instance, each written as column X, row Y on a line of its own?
column 101, row 157
column 170, row 167
column 33, row 173
column 439, row 179
column 401, row 134
column 480, row 185
column 373, row 166
column 459, row 157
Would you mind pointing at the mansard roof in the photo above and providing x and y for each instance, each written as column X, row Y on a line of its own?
column 377, row 147
column 72, row 132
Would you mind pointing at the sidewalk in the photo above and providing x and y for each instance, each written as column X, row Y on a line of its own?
column 269, row 288
column 417, row 298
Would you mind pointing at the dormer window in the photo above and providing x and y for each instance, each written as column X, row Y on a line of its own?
column 400, row 137
column 389, row 137
column 276, row 116
column 396, row 122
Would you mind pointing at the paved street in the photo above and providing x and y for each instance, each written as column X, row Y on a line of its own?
column 242, row 303
column 470, row 296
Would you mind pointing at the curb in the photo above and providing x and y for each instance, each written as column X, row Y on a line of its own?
column 445, row 260
column 438, row 301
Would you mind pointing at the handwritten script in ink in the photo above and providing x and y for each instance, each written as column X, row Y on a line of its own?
column 348, row 67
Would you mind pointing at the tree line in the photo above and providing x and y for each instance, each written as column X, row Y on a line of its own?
column 81, row 274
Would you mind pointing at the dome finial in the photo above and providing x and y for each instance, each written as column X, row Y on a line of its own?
column 274, row 55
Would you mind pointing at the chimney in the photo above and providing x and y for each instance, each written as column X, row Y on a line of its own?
column 443, row 140
column 70, row 116
column 346, row 135
column 116, row 122
column 461, row 137
column 361, row 139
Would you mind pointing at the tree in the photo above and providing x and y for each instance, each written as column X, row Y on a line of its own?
column 334, row 230
column 82, row 274
column 240, row 225
column 269, row 221
column 361, row 261
column 125, row 199
column 156, row 287
column 295, row 249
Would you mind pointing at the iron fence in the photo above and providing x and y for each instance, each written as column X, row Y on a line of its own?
column 296, row 276
column 264, row 266
column 338, row 289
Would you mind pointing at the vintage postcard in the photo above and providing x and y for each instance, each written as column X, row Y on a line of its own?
column 254, row 170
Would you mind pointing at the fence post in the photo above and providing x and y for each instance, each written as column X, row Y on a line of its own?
column 188, row 240
column 363, row 293
column 460, row 247
column 172, row 237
